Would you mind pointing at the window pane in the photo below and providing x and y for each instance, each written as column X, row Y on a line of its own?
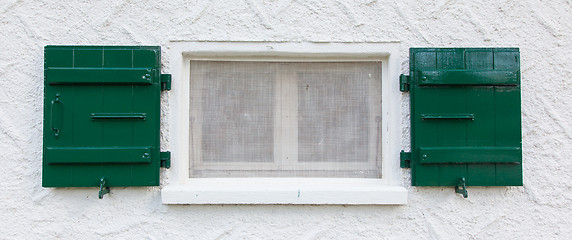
column 232, row 104
column 333, row 113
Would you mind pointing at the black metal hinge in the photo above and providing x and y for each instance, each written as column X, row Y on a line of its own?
column 165, row 159
column 404, row 83
column 165, row 82
column 405, row 159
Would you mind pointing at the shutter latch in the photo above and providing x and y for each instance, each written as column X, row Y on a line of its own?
column 405, row 159
column 404, row 83
column 165, row 82
column 462, row 191
column 165, row 159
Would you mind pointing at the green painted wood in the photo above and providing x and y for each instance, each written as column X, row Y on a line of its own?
column 465, row 116
column 106, row 114
column 451, row 133
column 427, row 174
column 468, row 77
column 431, row 155
column 91, row 155
column 481, row 174
column 98, row 75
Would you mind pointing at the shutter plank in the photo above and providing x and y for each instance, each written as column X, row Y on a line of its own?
column 507, row 119
column 432, row 155
column 422, row 99
column 98, row 75
column 468, row 77
column 481, row 133
column 451, row 100
column 97, row 155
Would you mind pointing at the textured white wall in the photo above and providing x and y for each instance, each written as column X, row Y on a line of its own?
column 539, row 210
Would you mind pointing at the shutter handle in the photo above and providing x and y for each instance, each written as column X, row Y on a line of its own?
column 56, row 131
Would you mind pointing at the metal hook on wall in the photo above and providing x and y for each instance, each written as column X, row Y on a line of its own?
column 462, row 191
column 103, row 189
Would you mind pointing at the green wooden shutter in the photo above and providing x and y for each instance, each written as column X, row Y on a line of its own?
column 465, row 116
column 101, row 116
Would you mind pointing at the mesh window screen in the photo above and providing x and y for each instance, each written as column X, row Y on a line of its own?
column 285, row 119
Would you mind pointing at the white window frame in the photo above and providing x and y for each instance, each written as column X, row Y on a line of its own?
column 181, row 189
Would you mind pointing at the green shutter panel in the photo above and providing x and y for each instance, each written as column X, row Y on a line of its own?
column 465, row 116
column 101, row 116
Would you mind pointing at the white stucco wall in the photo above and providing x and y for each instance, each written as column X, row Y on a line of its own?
column 538, row 210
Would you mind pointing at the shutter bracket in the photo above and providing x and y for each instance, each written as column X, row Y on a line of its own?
column 103, row 188
column 462, row 191
column 405, row 159
column 165, row 82
column 404, row 83
column 165, row 159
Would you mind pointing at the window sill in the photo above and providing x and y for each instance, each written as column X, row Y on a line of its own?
column 284, row 191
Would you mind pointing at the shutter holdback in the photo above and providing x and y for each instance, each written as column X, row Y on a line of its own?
column 102, row 185
column 462, row 191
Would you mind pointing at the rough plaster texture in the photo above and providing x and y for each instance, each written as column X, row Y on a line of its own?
column 539, row 210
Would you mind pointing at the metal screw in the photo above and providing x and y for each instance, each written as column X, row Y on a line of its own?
column 145, row 155
column 424, row 156
column 423, row 78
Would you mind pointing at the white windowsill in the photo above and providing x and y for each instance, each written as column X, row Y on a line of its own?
column 284, row 191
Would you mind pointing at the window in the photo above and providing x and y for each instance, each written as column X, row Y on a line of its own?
column 285, row 123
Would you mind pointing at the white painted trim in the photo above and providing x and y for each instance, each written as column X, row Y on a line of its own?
column 181, row 187
column 283, row 191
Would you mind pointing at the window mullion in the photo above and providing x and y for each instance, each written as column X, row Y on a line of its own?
column 289, row 115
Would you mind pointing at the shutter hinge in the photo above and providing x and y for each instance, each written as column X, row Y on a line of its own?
column 165, row 159
column 404, row 83
column 165, row 82
column 405, row 159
